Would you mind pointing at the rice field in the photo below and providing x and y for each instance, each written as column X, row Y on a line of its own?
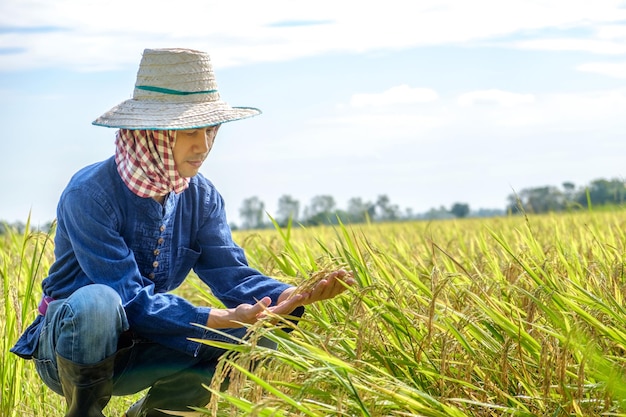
column 511, row 316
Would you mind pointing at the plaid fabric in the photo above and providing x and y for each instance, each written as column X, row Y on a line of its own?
column 145, row 161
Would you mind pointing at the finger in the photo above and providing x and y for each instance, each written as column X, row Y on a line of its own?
column 346, row 278
column 288, row 305
column 332, row 286
column 340, row 273
column 262, row 304
column 323, row 290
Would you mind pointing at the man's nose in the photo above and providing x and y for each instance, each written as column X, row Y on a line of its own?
column 202, row 142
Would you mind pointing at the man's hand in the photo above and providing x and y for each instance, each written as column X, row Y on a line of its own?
column 249, row 313
column 333, row 284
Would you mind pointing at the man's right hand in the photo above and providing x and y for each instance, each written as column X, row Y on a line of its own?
column 221, row 318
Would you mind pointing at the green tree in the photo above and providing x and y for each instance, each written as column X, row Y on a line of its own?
column 460, row 210
column 603, row 192
column 252, row 213
column 437, row 214
column 537, row 200
column 321, row 210
column 359, row 211
column 288, row 208
column 385, row 210
column 569, row 193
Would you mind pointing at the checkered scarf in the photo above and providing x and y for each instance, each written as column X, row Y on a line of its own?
column 145, row 161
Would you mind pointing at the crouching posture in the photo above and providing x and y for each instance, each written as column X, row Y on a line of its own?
column 130, row 229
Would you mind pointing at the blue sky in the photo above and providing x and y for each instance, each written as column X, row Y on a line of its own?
column 429, row 102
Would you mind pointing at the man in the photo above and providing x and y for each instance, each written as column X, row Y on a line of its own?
column 130, row 229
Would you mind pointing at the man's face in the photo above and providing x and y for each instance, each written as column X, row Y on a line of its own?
column 191, row 149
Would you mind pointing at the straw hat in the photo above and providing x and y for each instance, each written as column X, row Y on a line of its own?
column 175, row 89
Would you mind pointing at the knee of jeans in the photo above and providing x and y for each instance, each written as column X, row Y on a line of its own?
column 102, row 304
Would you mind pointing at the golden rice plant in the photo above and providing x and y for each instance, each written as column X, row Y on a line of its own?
column 24, row 260
column 520, row 316
column 512, row 316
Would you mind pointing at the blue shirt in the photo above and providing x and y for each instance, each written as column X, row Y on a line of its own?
column 142, row 249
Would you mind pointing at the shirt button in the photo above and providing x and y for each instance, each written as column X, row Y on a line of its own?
column 160, row 241
column 151, row 275
column 155, row 264
column 162, row 228
column 156, row 252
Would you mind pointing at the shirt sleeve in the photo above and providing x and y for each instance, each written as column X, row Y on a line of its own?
column 223, row 265
column 91, row 230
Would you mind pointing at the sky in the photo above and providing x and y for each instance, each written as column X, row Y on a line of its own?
column 428, row 102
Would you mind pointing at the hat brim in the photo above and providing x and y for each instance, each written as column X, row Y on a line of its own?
column 157, row 115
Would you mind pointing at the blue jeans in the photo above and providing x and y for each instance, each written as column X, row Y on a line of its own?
column 91, row 325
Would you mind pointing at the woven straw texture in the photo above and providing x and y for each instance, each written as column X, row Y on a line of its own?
column 175, row 89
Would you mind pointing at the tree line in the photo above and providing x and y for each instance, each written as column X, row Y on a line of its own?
column 323, row 209
column 600, row 192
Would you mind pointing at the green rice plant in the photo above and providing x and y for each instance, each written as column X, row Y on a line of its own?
column 496, row 317
column 24, row 259
column 519, row 316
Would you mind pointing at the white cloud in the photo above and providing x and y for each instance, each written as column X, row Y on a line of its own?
column 572, row 44
column 611, row 69
column 105, row 34
column 494, row 97
column 401, row 94
column 397, row 123
column 599, row 111
column 485, row 112
column 611, row 32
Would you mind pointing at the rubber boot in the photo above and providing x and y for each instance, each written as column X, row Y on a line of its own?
column 87, row 388
column 174, row 394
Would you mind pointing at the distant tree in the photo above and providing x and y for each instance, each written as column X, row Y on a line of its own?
column 385, row 210
column 437, row 214
column 569, row 193
column 460, row 210
column 252, row 213
column 48, row 226
column 288, row 208
column 320, row 210
column 488, row 212
column 359, row 211
column 537, row 200
column 569, row 187
column 603, row 191
column 18, row 227
column 514, row 204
